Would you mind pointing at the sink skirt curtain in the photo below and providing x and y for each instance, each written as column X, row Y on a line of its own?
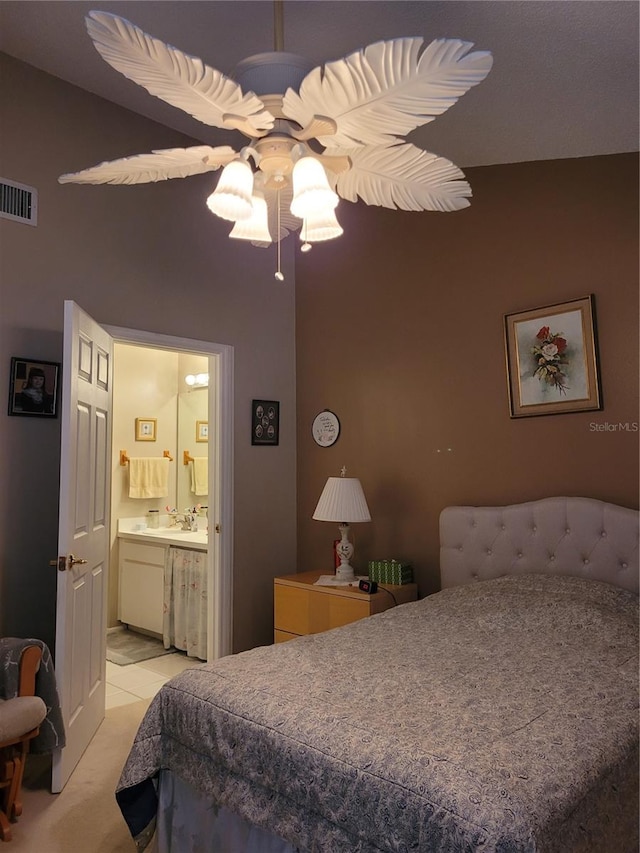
column 184, row 622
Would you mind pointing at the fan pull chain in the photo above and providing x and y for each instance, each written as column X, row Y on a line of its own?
column 306, row 246
column 279, row 276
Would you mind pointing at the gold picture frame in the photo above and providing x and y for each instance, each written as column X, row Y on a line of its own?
column 202, row 431
column 146, row 429
column 552, row 365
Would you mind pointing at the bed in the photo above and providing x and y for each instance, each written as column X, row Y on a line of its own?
column 498, row 715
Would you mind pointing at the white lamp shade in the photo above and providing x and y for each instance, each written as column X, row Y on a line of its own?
column 256, row 227
column 342, row 500
column 319, row 227
column 231, row 199
column 311, row 191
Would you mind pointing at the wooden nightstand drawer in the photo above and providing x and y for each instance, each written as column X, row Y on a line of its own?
column 302, row 608
column 306, row 611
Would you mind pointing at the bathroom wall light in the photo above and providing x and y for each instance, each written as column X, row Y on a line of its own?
column 197, row 380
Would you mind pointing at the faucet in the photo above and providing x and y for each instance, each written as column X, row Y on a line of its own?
column 189, row 521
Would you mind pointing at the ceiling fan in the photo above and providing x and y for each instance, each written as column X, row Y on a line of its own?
column 315, row 134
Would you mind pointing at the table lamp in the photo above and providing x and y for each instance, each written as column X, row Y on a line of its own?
column 343, row 500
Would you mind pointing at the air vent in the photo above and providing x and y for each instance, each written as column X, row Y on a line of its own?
column 18, row 202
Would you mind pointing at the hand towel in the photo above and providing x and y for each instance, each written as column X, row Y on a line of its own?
column 200, row 475
column 149, row 478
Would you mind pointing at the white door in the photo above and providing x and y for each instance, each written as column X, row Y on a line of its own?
column 83, row 534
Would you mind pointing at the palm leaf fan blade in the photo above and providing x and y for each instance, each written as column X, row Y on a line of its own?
column 386, row 90
column 181, row 80
column 160, row 165
column 402, row 177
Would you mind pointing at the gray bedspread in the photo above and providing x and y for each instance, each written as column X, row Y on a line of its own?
column 500, row 716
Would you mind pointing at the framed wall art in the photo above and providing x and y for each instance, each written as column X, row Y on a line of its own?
column 265, row 422
column 202, row 431
column 33, row 387
column 552, row 365
column 325, row 428
column 146, row 429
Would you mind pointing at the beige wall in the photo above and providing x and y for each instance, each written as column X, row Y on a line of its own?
column 400, row 333
column 144, row 257
column 146, row 386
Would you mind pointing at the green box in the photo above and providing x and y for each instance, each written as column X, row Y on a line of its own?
column 390, row 571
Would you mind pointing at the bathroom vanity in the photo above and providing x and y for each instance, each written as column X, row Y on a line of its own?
column 142, row 555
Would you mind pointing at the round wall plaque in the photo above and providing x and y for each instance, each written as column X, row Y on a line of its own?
column 325, row 428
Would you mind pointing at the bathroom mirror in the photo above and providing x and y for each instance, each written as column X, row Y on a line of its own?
column 193, row 432
column 149, row 383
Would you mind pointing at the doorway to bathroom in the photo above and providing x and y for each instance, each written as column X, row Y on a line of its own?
column 158, row 582
column 181, row 390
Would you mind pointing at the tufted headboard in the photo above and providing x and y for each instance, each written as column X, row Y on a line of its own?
column 566, row 536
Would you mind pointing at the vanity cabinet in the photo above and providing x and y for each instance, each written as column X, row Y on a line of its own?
column 141, row 584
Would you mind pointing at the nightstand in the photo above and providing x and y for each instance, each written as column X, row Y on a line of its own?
column 301, row 608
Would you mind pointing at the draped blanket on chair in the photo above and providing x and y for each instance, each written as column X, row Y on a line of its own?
column 52, row 735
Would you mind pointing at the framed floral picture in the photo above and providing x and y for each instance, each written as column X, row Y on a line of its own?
column 146, row 429
column 552, row 365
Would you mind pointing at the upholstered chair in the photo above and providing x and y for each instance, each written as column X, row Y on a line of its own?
column 20, row 718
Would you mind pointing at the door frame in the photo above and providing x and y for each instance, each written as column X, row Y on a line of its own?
column 220, row 550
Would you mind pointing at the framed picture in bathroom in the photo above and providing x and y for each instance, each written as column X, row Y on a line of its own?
column 33, row 388
column 202, row 431
column 146, row 429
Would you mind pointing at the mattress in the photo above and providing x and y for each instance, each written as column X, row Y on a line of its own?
column 497, row 716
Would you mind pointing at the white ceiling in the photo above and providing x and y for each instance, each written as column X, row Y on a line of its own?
column 564, row 81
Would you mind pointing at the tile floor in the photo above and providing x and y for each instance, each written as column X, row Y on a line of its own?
column 126, row 684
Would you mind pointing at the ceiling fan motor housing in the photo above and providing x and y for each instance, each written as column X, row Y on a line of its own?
column 268, row 73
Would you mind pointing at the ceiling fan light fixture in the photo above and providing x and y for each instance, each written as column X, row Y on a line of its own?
column 231, row 199
column 357, row 109
column 312, row 194
column 319, row 227
column 256, row 227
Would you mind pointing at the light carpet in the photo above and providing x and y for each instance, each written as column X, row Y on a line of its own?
column 125, row 647
column 85, row 817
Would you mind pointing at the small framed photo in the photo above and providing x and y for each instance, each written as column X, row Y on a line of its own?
column 146, row 429
column 202, row 430
column 265, row 422
column 552, row 365
column 33, row 388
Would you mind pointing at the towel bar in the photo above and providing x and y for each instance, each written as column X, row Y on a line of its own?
column 124, row 459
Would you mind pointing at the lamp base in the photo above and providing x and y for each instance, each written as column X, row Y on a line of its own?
column 345, row 573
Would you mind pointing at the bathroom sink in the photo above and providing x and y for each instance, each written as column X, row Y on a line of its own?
column 167, row 531
column 169, row 536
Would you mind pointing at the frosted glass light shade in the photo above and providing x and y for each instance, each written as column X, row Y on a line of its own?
column 342, row 500
column 231, row 199
column 199, row 380
column 256, row 227
column 319, row 227
column 311, row 191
